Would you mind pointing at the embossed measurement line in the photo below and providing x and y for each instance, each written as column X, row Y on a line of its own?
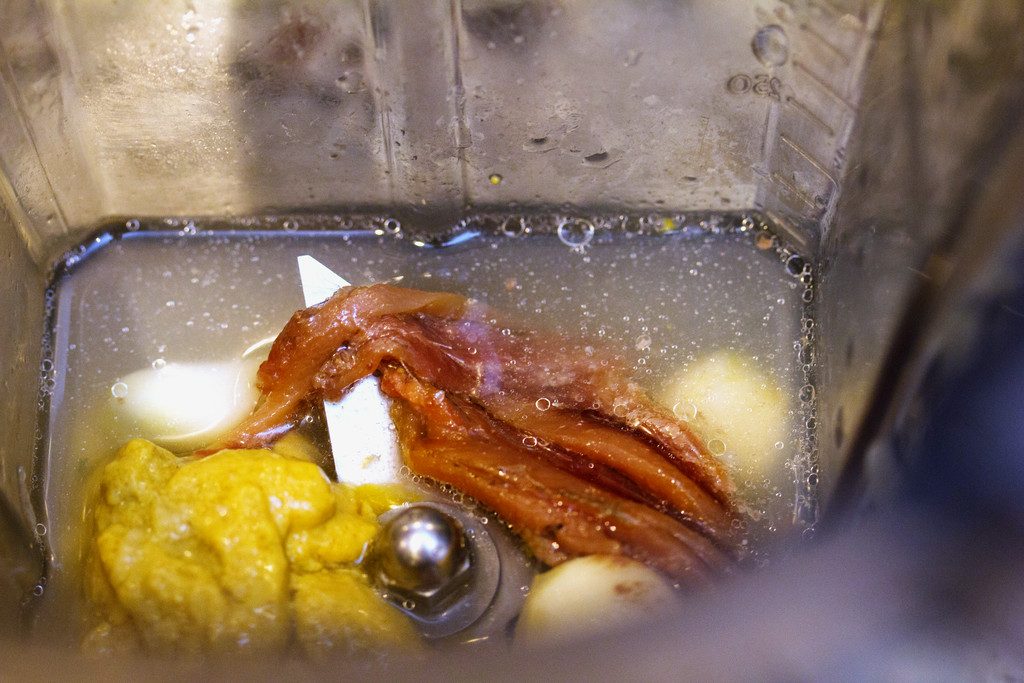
column 803, row 196
column 831, row 7
column 826, row 43
column 829, row 90
column 803, row 109
column 799, row 149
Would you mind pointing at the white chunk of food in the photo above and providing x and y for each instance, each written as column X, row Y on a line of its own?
column 739, row 411
column 589, row 595
column 184, row 406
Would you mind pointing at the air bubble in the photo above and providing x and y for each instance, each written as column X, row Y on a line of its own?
column 159, row 364
column 392, row 226
column 716, row 446
column 530, row 441
column 576, row 232
column 807, row 393
column 495, row 179
column 514, row 227
column 119, row 390
column 685, row 410
column 132, row 224
column 543, row 404
column 806, row 354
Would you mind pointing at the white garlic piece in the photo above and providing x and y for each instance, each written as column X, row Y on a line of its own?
column 738, row 409
column 184, row 406
column 590, row 595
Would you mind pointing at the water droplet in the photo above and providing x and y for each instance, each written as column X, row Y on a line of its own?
column 643, row 342
column 119, row 390
column 771, row 45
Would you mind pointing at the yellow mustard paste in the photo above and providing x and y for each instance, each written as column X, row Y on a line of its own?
column 240, row 550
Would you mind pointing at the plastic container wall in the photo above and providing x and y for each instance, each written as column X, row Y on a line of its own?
column 854, row 126
column 212, row 107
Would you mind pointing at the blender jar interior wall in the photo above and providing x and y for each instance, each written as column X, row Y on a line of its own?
column 842, row 122
column 425, row 109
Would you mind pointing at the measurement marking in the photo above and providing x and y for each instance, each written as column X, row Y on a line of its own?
column 796, row 147
column 767, row 127
column 823, row 85
column 463, row 138
column 793, row 236
column 835, row 49
column 780, row 179
column 702, row 151
column 827, row 6
column 374, row 72
column 801, row 107
column 830, row 6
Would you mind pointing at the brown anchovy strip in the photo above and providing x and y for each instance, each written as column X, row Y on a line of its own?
column 547, row 431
